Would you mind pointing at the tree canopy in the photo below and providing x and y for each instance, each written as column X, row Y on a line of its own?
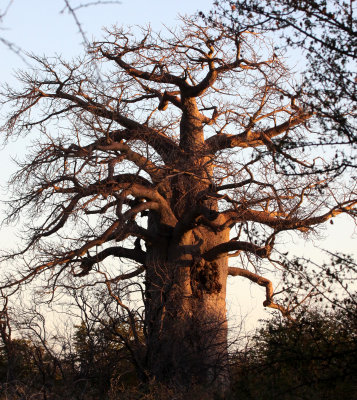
column 189, row 148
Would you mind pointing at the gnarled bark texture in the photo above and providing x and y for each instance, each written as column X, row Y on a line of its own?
column 186, row 310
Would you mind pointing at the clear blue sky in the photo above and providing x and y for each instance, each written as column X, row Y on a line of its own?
column 38, row 26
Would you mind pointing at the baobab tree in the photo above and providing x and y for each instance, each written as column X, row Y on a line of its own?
column 190, row 150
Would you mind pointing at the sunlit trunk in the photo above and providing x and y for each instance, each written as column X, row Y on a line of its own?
column 186, row 311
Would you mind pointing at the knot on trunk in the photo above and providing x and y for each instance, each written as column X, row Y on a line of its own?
column 205, row 278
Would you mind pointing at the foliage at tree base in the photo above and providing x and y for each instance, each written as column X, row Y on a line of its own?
column 315, row 358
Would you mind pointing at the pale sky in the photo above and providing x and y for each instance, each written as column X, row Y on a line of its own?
column 37, row 26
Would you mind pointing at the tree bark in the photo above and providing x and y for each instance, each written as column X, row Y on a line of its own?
column 186, row 310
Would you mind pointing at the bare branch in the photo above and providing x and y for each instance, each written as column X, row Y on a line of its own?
column 253, row 139
column 261, row 281
column 223, row 248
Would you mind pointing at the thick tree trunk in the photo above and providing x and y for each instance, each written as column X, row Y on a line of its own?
column 186, row 294
column 186, row 311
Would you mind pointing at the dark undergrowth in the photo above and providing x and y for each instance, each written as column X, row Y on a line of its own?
column 315, row 358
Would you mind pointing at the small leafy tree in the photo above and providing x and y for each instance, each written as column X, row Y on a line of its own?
column 102, row 357
column 312, row 358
